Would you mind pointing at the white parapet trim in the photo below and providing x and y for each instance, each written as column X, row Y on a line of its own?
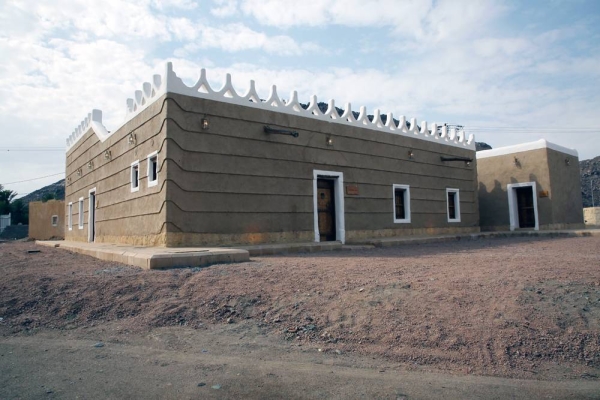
column 169, row 82
column 538, row 144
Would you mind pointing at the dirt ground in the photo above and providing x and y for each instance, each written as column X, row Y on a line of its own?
column 509, row 308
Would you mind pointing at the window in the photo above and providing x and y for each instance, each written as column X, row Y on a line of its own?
column 153, row 169
column 81, row 213
column 135, row 176
column 55, row 220
column 70, row 216
column 401, row 204
column 453, row 199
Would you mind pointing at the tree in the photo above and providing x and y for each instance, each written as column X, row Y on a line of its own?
column 19, row 212
column 48, row 196
column 6, row 197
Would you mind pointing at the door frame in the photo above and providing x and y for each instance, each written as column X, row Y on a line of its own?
column 92, row 215
column 338, row 194
column 513, row 207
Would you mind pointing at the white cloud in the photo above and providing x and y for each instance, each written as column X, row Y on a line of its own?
column 418, row 19
column 177, row 4
column 225, row 8
column 238, row 37
column 106, row 19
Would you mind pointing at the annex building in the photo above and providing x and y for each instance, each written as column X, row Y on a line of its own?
column 196, row 166
column 532, row 185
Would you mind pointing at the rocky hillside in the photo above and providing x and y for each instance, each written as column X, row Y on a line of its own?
column 56, row 190
column 590, row 179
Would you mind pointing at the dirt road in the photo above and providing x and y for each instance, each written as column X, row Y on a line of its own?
column 231, row 362
column 518, row 308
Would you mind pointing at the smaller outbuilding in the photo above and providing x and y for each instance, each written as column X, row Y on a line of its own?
column 47, row 220
column 529, row 186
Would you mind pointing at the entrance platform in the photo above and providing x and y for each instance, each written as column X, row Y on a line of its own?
column 172, row 257
column 153, row 257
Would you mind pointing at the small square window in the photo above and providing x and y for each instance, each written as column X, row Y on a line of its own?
column 135, row 176
column 55, row 220
column 453, row 203
column 401, row 204
column 153, row 169
column 80, row 216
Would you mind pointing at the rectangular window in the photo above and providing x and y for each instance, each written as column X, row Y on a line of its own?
column 401, row 204
column 135, row 176
column 453, row 199
column 153, row 169
column 81, row 213
column 70, row 216
column 55, row 220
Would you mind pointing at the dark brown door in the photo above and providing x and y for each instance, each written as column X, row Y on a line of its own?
column 525, row 207
column 326, row 209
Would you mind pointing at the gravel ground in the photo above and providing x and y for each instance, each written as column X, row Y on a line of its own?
column 523, row 308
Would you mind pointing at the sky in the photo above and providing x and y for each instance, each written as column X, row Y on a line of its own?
column 509, row 71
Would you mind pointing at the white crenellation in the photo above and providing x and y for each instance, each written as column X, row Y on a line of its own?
column 169, row 82
column 94, row 121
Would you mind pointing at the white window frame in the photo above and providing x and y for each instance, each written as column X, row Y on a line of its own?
column 148, row 169
column 456, row 204
column 133, row 166
column 70, row 216
column 92, row 214
column 406, row 189
column 52, row 220
column 80, row 215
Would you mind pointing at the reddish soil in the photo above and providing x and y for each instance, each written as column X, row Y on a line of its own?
column 525, row 308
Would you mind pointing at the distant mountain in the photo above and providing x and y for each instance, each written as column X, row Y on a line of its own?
column 482, row 146
column 590, row 179
column 56, row 189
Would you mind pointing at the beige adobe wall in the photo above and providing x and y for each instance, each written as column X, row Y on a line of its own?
column 122, row 216
column 567, row 203
column 591, row 216
column 40, row 220
column 560, row 206
column 495, row 173
column 232, row 183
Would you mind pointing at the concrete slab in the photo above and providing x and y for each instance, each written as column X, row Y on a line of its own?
column 153, row 257
column 407, row 240
column 285, row 248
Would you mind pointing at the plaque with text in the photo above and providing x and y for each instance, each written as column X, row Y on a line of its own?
column 352, row 190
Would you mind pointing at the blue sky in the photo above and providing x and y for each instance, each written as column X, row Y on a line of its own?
column 509, row 71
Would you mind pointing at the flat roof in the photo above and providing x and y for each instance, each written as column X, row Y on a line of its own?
column 538, row 144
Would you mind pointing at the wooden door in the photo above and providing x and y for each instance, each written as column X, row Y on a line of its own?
column 525, row 207
column 326, row 209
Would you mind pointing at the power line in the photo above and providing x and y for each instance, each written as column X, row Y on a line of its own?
column 15, row 150
column 33, row 148
column 33, row 179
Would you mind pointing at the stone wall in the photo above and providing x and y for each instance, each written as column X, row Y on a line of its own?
column 591, row 216
column 233, row 183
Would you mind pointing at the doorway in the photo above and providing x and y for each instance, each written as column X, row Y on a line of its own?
column 525, row 209
column 328, row 206
column 522, row 206
column 92, row 216
column 326, row 209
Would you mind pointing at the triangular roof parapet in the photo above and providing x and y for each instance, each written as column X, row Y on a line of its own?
column 169, row 82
